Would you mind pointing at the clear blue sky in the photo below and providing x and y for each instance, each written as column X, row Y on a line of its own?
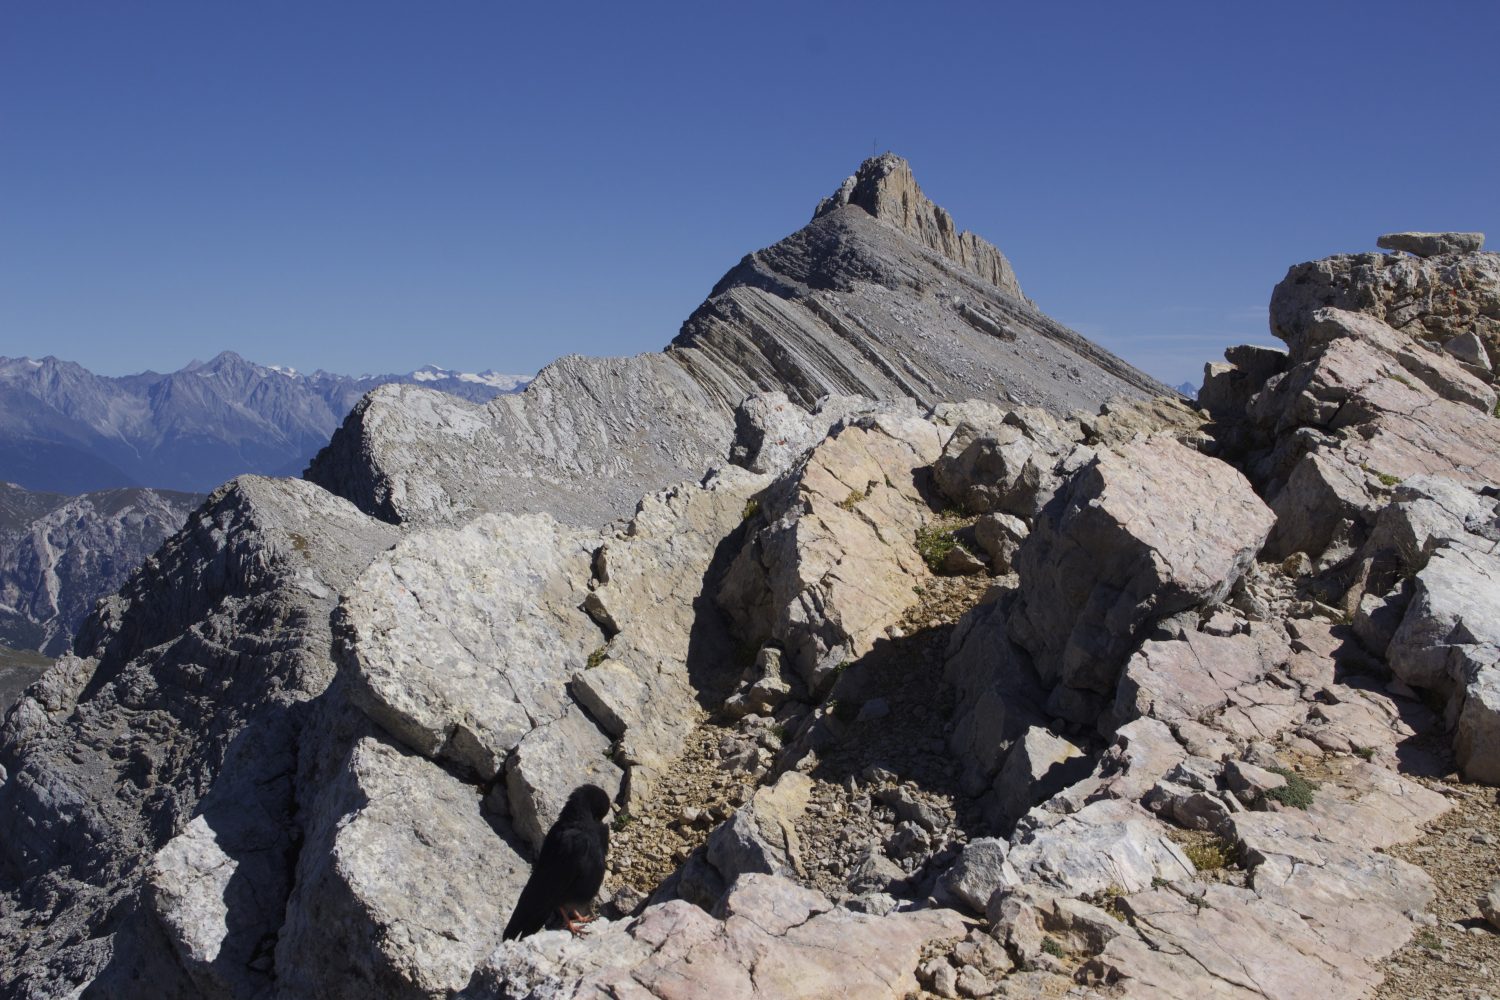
column 370, row 186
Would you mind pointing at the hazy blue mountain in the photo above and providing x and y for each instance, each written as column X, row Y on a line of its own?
column 64, row 429
column 1188, row 389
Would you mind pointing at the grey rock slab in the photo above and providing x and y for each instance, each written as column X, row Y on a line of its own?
column 1437, row 298
column 832, row 557
column 981, row 870
column 1432, row 244
column 1468, row 348
column 762, row 836
column 1489, row 905
column 1109, row 843
column 1137, row 535
column 404, row 884
column 1038, row 766
column 1449, row 640
column 1196, row 675
column 459, row 641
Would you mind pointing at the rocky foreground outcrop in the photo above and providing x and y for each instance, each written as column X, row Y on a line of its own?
column 897, row 693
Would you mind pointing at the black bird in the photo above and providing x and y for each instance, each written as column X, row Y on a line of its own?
column 570, row 868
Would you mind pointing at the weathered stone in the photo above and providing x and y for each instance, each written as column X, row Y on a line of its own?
column 1323, row 495
column 1468, row 348
column 1002, row 462
column 1489, row 905
column 1110, row 843
column 770, row 431
column 653, row 586
column 833, row 562
column 1432, row 244
column 1038, row 766
column 760, row 838
column 1449, row 639
column 403, row 885
column 1137, row 535
column 774, row 940
column 1196, row 675
column 1000, row 535
column 460, row 641
column 980, row 870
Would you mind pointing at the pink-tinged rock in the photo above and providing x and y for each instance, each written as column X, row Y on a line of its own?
column 776, row 940
column 1136, row 535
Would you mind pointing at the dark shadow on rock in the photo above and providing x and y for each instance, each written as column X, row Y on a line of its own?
column 714, row 658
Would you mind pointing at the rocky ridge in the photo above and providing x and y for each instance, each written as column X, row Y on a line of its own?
column 934, row 764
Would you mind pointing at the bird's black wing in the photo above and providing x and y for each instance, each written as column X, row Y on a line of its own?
column 568, row 871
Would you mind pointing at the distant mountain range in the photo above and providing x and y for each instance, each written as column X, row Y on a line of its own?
column 64, row 429
column 60, row 554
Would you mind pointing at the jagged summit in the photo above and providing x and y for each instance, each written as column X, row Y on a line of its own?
column 879, row 296
column 884, row 186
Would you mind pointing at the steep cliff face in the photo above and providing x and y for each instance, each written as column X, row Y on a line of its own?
column 59, row 555
column 879, row 297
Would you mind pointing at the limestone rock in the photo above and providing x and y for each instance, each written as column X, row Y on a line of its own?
column 773, row 940
column 551, row 761
column 652, row 594
column 1436, row 298
column 770, row 431
column 1000, row 535
column 1489, row 905
column 884, row 187
column 998, row 461
column 459, row 641
column 832, row 558
column 1109, row 843
column 192, row 679
column 761, row 837
column 1038, row 766
column 1432, row 244
column 1136, row 535
column 980, row 870
column 403, row 887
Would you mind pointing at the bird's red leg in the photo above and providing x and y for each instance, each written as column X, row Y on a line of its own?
column 574, row 920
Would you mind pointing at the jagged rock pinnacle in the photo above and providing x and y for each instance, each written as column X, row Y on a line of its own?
column 884, row 186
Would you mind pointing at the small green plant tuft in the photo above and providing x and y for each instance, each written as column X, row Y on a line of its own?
column 1364, row 753
column 1210, row 855
column 752, row 507
column 597, row 657
column 622, row 820
column 1403, row 380
column 853, row 499
column 1428, row 939
column 1051, row 947
column 779, row 731
column 1297, row 792
column 934, row 542
column 1108, row 900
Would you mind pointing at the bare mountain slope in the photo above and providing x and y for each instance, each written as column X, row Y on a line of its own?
column 879, row 296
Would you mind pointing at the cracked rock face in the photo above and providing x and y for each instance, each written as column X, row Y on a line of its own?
column 1137, row 535
column 832, row 558
column 460, row 641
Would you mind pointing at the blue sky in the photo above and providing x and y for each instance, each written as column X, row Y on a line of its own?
column 370, row 186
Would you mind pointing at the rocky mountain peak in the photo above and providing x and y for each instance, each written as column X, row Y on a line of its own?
column 885, row 187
